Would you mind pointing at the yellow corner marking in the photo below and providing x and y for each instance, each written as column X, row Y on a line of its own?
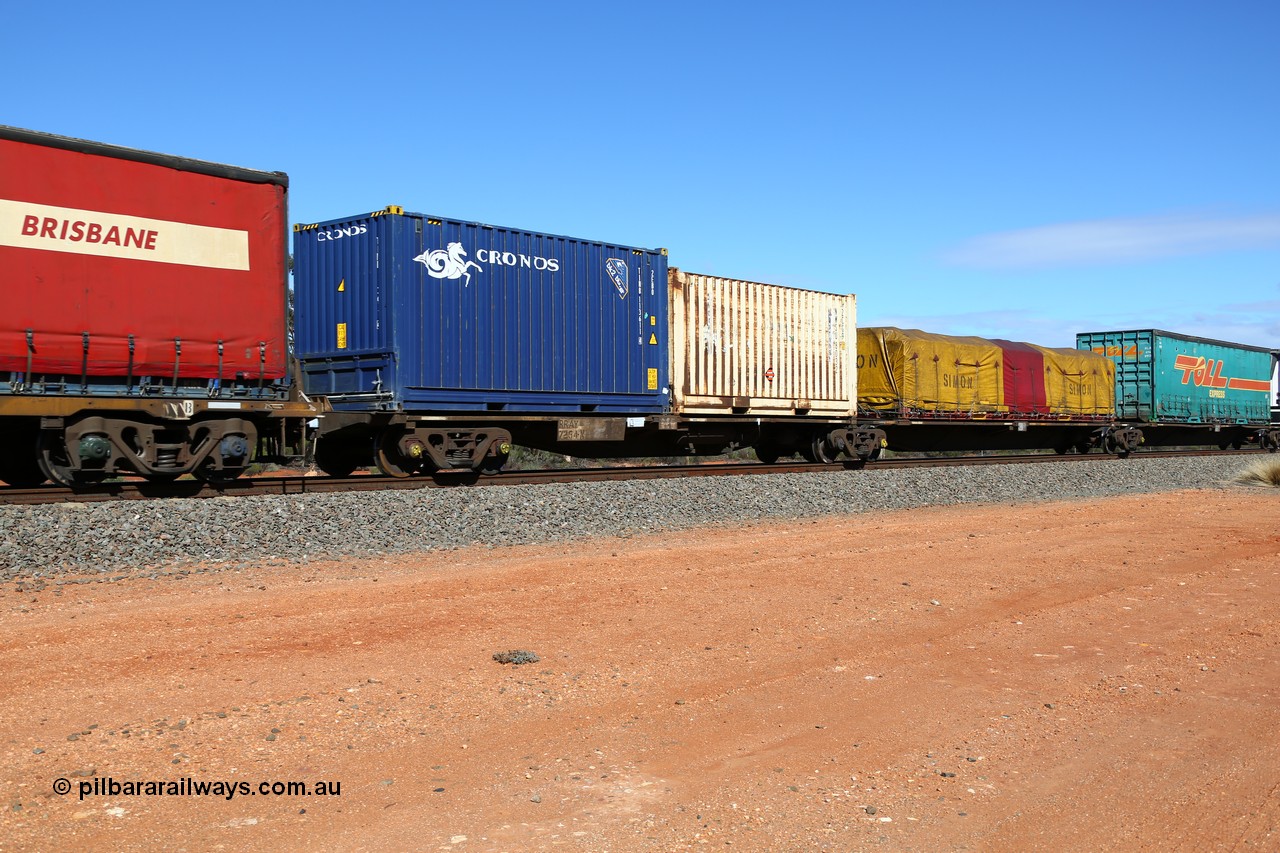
column 653, row 339
column 342, row 286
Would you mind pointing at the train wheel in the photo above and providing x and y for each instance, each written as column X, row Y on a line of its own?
column 819, row 452
column 230, row 459
column 22, row 471
column 493, row 464
column 389, row 459
column 767, row 453
column 57, row 466
column 333, row 460
column 208, row 474
column 1110, row 444
column 19, row 461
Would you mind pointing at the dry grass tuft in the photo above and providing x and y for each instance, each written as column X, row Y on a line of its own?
column 1265, row 473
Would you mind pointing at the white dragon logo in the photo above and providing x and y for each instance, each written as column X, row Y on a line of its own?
column 450, row 263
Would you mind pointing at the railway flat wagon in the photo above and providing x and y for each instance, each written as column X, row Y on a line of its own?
column 143, row 319
column 946, row 392
column 439, row 341
column 1189, row 390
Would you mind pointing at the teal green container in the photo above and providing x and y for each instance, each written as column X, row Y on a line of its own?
column 1163, row 377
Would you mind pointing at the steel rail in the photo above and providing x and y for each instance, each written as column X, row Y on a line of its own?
column 136, row 489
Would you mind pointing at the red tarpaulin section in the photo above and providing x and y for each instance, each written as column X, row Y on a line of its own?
column 1024, row 388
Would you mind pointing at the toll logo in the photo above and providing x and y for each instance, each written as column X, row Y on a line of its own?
column 1207, row 372
column 617, row 270
column 449, row 263
column 1130, row 351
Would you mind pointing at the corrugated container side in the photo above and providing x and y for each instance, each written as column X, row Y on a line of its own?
column 742, row 347
column 1130, row 352
column 911, row 370
column 1078, row 383
column 341, row 332
column 116, row 262
column 1167, row 377
column 421, row 313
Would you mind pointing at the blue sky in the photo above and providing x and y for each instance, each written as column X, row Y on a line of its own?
column 1011, row 169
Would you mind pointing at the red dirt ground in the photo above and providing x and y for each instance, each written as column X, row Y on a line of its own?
column 1062, row 676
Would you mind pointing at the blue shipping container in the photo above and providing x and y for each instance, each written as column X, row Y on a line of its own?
column 1171, row 378
column 405, row 312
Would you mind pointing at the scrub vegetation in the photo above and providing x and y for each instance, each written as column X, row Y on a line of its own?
column 1266, row 473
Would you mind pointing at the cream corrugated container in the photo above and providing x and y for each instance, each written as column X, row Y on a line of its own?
column 741, row 347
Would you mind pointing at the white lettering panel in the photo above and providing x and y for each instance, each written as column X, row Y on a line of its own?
column 26, row 225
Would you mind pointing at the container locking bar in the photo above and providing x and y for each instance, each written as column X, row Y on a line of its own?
column 84, row 362
column 31, row 351
column 217, row 389
column 128, row 383
column 177, row 361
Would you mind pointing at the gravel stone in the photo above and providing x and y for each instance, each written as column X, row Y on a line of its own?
column 516, row 657
column 173, row 539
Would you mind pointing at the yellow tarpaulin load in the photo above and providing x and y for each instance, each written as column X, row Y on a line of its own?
column 914, row 370
column 1078, row 382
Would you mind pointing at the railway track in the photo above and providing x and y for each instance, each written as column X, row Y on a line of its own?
column 298, row 485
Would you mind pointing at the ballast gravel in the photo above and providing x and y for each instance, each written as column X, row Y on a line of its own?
column 104, row 541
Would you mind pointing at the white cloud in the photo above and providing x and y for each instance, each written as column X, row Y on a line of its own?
column 1104, row 241
column 1272, row 306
